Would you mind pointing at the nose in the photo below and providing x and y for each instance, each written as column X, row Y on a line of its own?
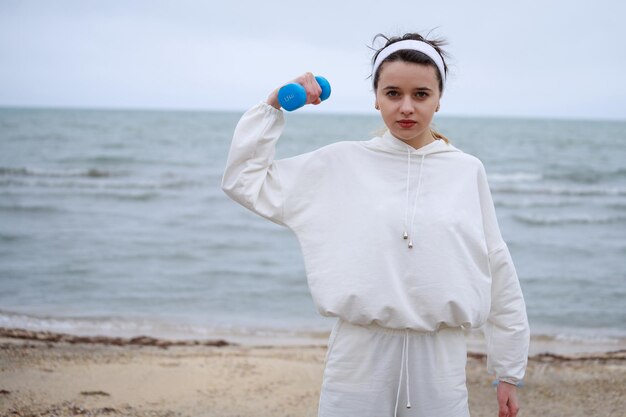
column 406, row 107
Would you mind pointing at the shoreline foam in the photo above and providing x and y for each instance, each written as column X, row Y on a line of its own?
column 540, row 344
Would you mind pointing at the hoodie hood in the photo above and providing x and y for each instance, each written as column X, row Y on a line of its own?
column 389, row 143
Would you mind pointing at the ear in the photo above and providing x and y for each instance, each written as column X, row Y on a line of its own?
column 437, row 109
column 376, row 105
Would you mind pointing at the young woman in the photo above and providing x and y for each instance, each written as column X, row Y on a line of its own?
column 400, row 241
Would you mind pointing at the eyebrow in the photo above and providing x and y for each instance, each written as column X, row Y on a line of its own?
column 391, row 87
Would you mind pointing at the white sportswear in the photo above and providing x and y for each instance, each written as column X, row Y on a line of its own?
column 358, row 207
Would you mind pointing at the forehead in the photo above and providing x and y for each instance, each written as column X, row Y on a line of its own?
column 407, row 74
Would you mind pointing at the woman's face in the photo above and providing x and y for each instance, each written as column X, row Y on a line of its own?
column 408, row 97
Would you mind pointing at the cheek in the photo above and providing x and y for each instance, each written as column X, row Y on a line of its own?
column 430, row 106
column 387, row 114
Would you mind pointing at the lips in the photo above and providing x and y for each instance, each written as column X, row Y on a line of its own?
column 406, row 124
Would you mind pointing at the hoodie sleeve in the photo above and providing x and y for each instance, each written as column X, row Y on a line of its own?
column 507, row 331
column 251, row 176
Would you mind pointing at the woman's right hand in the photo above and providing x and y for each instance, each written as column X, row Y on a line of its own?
column 306, row 80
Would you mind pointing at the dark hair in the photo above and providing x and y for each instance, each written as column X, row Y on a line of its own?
column 409, row 55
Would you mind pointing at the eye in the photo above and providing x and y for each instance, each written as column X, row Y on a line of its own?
column 392, row 93
column 421, row 94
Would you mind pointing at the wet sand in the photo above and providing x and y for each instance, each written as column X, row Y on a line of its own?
column 47, row 374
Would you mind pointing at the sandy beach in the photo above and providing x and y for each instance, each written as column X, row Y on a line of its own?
column 46, row 374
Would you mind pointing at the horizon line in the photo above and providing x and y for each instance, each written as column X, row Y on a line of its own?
column 306, row 111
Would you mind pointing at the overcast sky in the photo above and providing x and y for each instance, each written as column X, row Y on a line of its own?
column 535, row 58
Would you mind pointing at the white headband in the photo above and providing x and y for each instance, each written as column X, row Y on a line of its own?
column 420, row 46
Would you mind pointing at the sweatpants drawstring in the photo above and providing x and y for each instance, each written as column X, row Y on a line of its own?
column 408, row 390
column 404, row 363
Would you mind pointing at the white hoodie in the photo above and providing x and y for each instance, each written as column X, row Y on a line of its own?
column 350, row 204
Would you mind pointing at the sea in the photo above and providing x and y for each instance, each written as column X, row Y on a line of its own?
column 113, row 222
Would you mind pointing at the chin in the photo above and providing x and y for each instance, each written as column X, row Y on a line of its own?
column 404, row 136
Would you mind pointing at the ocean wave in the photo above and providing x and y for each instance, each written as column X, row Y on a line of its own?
column 583, row 280
column 540, row 220
column 572, row 190
column 101, row 160
column 103, row 184
column 112, row 326
column 88, row 193
column 535, row 203
column 128, row 196
column 587, row 175
column 515, row 177
column 24, row 208
column 9, row 238
column 109, row 326
column 29, row 172
column 605, row 337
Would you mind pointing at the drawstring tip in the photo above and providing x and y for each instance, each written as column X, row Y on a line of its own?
column 405, row 235
column 408, row 405
column 410, row 244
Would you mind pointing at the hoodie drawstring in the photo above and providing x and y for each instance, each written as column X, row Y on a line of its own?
column 404, row 365
column 408, row 228
column 405, row 235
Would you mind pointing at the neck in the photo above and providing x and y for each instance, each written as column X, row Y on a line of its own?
column 419, row 141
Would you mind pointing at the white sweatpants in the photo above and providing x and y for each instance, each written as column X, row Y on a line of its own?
column 372, row 371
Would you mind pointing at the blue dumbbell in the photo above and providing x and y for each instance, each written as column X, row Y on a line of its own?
column 292, row 96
